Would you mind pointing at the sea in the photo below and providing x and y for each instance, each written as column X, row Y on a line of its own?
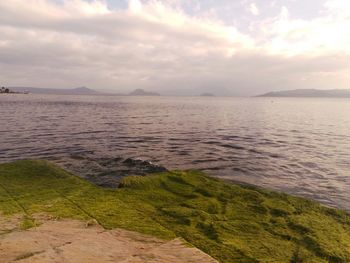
column 295, row 145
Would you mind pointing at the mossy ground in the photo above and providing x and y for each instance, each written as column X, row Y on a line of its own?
column 230, row 222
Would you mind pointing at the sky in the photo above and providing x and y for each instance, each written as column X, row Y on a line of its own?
column 176, row 47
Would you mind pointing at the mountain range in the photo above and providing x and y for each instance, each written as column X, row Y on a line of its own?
column 78, row 91
column 309, row 93
column 75, row 91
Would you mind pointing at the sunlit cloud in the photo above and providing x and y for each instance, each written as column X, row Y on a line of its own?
column 161, row 45
column 323, row 35
column 254, row 9
column 86, row 8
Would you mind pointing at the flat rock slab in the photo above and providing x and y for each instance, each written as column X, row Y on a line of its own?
column 71, row 241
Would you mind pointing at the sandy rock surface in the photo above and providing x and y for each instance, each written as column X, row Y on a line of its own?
column 74, row 241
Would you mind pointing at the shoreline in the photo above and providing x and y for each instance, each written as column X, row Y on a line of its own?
column 108, row 171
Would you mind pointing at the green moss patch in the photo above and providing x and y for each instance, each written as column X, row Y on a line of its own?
column 230, row 222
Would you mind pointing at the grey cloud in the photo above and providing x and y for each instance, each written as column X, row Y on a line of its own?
column 122, row 51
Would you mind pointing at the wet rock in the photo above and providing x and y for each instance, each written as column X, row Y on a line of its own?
column 107, row 171
column 144, row 167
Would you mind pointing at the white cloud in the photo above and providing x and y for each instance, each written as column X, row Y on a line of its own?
column 86, row 8
column 339, row 8
column 135, row 6
column 157, row 45
column 324, row 35
column 254, row 9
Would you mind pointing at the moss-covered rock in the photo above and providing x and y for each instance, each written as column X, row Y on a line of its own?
column 230, row 222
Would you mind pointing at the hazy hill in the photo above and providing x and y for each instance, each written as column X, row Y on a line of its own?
column 334, row 93
column 79, row 91
column 75, row 91
column 141, row 92
column 207, row 94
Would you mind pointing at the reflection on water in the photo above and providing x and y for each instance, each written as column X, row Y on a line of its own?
column 301, row 146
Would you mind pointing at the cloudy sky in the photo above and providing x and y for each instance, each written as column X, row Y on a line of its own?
column 237, row 47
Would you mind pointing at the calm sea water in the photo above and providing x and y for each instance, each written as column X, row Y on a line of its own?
column 300, row 146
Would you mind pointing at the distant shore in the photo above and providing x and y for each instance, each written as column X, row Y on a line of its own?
column 309, row 93
column 4, row 90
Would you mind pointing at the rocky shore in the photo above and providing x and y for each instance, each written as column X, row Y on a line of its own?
column 228, row 222
column 106, row 171
column 73, row 241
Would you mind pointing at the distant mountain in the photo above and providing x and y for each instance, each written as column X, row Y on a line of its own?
column 309, row 93
column 141, row 92
column 207, row 94
column 79, row 91
column 76, row 91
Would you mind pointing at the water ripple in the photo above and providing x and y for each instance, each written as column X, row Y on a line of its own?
column 290, row 145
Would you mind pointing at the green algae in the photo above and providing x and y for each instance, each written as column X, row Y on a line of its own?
column 232, row 223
